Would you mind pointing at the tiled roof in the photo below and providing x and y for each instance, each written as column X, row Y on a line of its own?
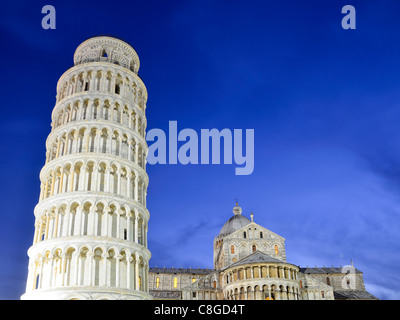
column 256, row 257
column 353, row 295
column 324, row 270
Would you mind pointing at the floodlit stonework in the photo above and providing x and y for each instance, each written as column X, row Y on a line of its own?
column 91, row 221
column 250, row 264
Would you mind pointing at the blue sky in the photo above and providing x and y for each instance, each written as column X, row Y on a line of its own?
column 324, row 103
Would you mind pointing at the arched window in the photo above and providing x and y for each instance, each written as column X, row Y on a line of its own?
column 254, row 248
column 193, row 279
column 104, row 53
column 215, row 284
column 157, row 282
column 117, row 89
column 328, row 281
column 244, row 234
column 261, row 235
column 232, row 249
column 276, row 249
column 175, row 282
column 301, row 284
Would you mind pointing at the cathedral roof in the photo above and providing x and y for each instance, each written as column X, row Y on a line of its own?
column 181, row 270
column 324, row 270
column 353, row 295
column 234, row 223
column 256, row 257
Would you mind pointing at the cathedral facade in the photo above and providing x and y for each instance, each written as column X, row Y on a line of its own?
column 250, row 264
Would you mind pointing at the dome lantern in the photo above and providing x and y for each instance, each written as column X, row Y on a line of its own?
column 237, row 210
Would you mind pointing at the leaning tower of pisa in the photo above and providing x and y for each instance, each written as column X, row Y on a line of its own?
column 91, row 221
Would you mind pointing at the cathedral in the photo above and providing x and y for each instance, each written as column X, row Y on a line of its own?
column 250, row 264
column 91, row 220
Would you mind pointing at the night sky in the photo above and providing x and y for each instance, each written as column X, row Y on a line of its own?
column 324, row 104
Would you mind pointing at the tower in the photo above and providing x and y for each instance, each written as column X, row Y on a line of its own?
column 91, row 221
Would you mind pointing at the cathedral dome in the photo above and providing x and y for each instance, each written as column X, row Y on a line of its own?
column 234, row 223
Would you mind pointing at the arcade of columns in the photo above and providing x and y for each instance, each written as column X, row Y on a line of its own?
column 263, row 281
column 90, row 239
